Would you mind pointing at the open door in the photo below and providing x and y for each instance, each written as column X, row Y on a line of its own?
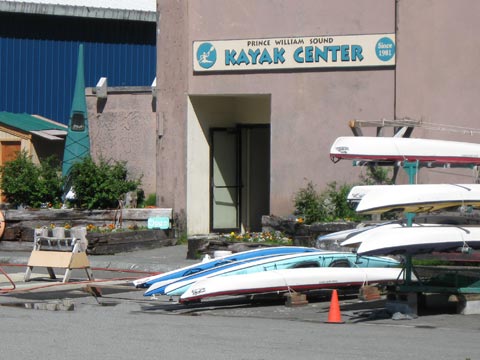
column 240, row 178
column 255, row 173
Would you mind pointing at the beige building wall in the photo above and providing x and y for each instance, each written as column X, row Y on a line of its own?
column 123, row 127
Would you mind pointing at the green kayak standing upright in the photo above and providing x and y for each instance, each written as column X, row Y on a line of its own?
column 77, row 143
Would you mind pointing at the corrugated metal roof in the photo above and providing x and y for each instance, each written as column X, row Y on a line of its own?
column 38, row 62
column 29, row 123
column 139, row 5
column 138, row 10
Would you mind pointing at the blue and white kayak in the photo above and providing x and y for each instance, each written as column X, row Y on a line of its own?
column 317, row 259
column 217, row 262
column 160, row 286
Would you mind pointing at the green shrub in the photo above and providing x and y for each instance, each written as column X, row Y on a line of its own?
column 102, row 185
column 335, row 204
column 151, row 200
column 376, row 175
column 24, row 183
column 51, row 180
column 330, row 205
column 307, row 204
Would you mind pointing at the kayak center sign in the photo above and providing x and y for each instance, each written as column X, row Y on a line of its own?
column 294, row 53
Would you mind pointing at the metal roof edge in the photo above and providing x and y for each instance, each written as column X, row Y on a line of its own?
column 92, row 90
column 47, row 135
column 56, row 123
column 22, row 122
column 77, row 11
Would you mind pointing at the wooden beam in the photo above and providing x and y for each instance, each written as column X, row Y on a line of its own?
column 384, row 123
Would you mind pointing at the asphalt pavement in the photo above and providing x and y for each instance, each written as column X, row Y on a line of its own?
column 152, row 260
column 110, row 319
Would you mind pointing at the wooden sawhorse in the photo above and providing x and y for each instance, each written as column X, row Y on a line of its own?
column 65, row 249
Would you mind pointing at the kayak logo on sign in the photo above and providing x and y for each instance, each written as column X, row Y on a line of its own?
column 342, row 149
column 206, row 55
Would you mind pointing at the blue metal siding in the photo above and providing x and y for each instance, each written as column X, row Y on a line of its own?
column 38, row 59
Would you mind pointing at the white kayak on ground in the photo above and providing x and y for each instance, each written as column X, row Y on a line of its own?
column 280, row 281
column 319, row 259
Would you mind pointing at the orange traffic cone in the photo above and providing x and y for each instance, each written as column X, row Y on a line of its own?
column 334, row 316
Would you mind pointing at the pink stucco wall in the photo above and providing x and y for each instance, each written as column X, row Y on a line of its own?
column 172, row 74
column 438, row 75
column 308, row 109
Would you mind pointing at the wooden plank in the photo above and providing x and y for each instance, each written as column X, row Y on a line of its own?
column 126, row 237
column 57, row 259
column 126, row 240
column 79, row 261
column 16, row 246
column 357, row 131
column 110, row 249
column 51, row 215
column 384, row 123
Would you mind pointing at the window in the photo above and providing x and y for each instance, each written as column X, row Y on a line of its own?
column 78, row 122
